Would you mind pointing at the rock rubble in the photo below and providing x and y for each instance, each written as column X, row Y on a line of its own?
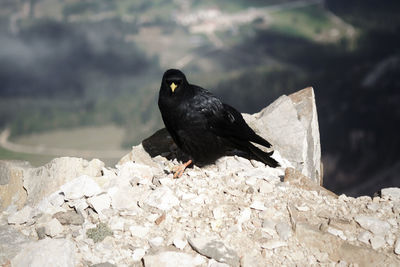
column 236, row 212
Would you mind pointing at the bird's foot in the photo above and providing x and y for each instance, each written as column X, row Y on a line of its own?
column 178, row 170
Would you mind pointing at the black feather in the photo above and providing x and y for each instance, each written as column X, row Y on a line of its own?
column 202, row 126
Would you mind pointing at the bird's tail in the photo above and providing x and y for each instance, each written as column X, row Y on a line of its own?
column 263, row 156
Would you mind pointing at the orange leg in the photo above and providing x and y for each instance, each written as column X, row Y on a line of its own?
column 178, row 170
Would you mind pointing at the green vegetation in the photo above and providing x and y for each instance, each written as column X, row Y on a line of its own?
column 35, row 160
column 99, row 233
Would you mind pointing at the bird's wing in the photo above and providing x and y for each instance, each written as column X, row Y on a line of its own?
column 224, row 120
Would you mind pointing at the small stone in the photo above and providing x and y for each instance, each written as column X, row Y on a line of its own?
column 56, row 199
column 397, row 246
column 53, row 228
column 103, row 264
column 21, row 216
column 156, row 241
column 69, row 217
column 138, row 254
column 218, row 213
column 378, row 241
column 41, row 232
column 372, row 224
column 266, row 187
column 172, row 259
column 373, row 206
column 179, row 243
column 272, row 244
column 302, row 208
column 138, row 231
column 100, row 202
column 364, row 237
column 284, row 230
column 160, row 219
column 214, row 249
column 123, row 198
column 258, row 205
column 83, row 186
column 336, row 232
column 116, row 223
column 245, row 215
column 162, row 198
column 392, row 193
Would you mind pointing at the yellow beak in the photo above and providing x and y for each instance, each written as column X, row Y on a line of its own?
column 173, row 87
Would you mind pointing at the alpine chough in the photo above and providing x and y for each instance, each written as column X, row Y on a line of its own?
column 202, row 126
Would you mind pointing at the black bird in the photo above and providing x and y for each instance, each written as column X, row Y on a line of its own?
column 202, row 126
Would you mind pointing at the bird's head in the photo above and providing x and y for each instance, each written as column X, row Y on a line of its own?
column 174, row 81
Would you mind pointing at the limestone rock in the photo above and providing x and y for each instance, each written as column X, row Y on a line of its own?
column 100, row 202
column 295, row 118
column 11, row 184
column 69, row 217
column 46, row 252
column 162, row 198
column 21, row 216
column 172, row 259
column 82, row 186
column 214, row 249
column 11, row 243
column 392, row 193
column 372, row 224
column 42, row 181
column 53, row 228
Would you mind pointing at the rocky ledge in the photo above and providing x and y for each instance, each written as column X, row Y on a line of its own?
column 236, row 212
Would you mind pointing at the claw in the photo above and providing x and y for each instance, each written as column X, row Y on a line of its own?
column 178, row 170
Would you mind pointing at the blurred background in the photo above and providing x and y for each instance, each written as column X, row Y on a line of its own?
column 81, row 77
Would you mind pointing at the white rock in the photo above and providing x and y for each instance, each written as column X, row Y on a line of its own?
column 46, row 252
column 378, row 241
column 99, row 203
column 117, row 223
column 302, row 208
column 156, row 241
column 138, row 254
column 218, row 213
column 124, row 198
column 364, row 237
column 162, row 198
column 392, row 193
column 336, row 232
column 83, row 186
column 245, row 215
column 372, row 224
column 78, row 204
column 266, row 187
column 284, row 230
column 56, row 199
column 214, row 263
column 252, row 181
column 172, row 259
column 258, row 205
column 138, row 231
column 179, row 243
column 53, row 228
column 21, row 216
column 397, row 246
column 131, row 169
column 272, row 244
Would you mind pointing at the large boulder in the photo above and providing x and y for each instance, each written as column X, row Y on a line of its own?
column 291, row 124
